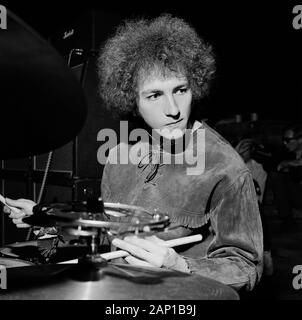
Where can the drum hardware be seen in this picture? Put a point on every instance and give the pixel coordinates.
(95, 222)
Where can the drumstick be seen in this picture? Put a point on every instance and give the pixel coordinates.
(169, 244)
(2, 199)
(121, 253)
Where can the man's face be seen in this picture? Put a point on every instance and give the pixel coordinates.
(165, 104)
(289, 141)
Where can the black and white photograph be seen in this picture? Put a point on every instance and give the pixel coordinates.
(151, 153)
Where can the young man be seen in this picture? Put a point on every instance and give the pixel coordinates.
(158, 71)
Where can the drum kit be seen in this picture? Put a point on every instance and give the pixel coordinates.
(82, 267)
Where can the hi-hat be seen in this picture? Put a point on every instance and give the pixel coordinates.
(124, 218)
(43, 106)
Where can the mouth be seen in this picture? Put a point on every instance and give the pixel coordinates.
(172, 124)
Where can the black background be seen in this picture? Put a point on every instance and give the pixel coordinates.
(258, 52)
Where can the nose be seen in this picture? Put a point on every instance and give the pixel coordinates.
(171, 108)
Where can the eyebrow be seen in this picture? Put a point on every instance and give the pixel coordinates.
(160, 91)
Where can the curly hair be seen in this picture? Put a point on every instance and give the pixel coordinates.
(166, 44)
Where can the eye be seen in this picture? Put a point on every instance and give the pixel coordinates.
(154, 96)
(182, 90)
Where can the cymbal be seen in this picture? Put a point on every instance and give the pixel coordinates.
(30, 251)
(43, 105)
(113, 282)
(21, 271)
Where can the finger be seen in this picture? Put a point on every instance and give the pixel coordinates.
(138, 252)
(131, 248)
(148, 245)
(17, 215)
(157, 240)
(137, 262)
(20, 203)
(14, 210)
(17, 221)
(243, 150)
(23, 225)
(7, 208)
(13, 203)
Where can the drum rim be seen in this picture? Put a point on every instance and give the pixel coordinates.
(28, 263)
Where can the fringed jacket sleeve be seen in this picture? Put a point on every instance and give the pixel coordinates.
(234, 256)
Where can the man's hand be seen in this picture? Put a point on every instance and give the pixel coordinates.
(245, 148)
(150, 252)
(21, 208)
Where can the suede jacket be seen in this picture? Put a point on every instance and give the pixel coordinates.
(215, 197)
